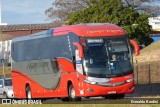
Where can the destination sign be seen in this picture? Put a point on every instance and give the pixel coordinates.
(95, 41)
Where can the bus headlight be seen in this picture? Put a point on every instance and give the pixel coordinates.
(129, 80)
(89, 82)
(92, 82)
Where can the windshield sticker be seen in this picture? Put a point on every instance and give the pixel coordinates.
(95, 41)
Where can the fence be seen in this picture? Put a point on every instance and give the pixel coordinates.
(147, 72)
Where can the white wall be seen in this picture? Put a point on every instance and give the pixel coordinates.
(155, 23)
(5, 51)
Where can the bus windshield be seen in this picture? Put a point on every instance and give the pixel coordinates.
(107, 57)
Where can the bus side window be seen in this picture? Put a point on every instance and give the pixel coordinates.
(54, 65)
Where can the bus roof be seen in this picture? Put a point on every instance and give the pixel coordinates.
(42, 34)
(90, 30)
(82, 30)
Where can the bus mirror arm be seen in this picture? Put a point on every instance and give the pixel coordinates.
(80, 49)
(136, 47)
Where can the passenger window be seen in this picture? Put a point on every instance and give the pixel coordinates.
(55, 67)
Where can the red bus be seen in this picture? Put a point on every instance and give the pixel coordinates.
(71, 62)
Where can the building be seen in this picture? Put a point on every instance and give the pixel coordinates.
(5, 52)
(155, 24)
(7, 32)
(24, 29)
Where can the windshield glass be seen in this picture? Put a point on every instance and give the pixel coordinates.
(8, 82)
(105, 57)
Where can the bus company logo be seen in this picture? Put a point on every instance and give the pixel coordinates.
(6, 101)
(101, 31)
(14, 101)
(35, 65)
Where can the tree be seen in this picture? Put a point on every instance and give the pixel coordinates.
(114, 11)
(135, 3)
(62, 8)
(145, 6)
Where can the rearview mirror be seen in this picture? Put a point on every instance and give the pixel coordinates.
(80, 49)
(136, 47)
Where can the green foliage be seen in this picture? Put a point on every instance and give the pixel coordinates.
(113, 11)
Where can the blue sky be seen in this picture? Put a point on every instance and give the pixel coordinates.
(28, 11)
(25, 11)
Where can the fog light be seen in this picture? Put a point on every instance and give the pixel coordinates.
(130, 88)
(90, 90)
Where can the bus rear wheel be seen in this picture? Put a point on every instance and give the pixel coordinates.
(72, 94)
(28, 93)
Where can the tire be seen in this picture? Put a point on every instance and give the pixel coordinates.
(5, 95)
(121, 96)
(72, 95)
(28, 93)
(65, 99)
(87, 97)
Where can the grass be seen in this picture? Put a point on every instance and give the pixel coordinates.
(151, 48)
(149, 53)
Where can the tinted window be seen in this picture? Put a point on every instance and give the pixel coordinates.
(44, 48)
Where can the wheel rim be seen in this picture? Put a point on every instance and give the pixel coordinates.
(72, 93)
(29, 96)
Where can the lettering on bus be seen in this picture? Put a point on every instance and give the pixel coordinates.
(101, 31)
(35, 65)
(95, 41)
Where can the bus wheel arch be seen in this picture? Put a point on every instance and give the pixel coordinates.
(28, 91)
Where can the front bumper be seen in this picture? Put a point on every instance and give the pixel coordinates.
(97, 90)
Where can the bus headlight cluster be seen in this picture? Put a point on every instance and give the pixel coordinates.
(89, 82)
(130, 80)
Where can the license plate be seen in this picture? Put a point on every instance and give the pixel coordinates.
(112, 92)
